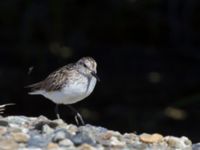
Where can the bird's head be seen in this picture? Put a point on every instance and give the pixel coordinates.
(88, 67)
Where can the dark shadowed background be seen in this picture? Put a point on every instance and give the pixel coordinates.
(148, 56)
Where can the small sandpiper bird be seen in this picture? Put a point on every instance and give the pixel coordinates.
(69, 84)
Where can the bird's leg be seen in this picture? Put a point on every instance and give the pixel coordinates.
(57, 111)
(77, 116)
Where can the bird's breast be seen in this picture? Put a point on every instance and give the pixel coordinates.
(81, 88)
(90, 85)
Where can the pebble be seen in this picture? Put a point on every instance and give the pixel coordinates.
(178, 143)
(92, 129)
(39, 125)
(86, 147)
(18, 120)
(148, 138)
(14, 128)
(66, 143)
(3, 130)
(72, 129)
(108, 139)
(46, 129)
(114, 141)
(20, 137)
(60, 135)
(3, 123)
(37, 141)
(40, 133)
(60, 123)
(106, 136)
(52, 146)
(83, 137)
(7, 144)
(130, 138)
(196, 146)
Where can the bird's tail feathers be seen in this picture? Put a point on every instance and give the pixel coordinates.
(34, 93)
(35, 88)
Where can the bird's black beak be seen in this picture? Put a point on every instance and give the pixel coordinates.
(95, 75)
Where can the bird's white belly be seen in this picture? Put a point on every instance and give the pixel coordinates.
(71, 93)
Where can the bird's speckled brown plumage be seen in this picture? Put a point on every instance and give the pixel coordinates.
(57, 79)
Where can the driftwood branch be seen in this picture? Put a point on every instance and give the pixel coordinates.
(2, 107)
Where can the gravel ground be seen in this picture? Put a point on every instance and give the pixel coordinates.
(40, 133)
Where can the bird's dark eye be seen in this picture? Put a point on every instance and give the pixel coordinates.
(85, 65)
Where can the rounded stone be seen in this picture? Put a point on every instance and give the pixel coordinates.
(72, 129)
(8, 144)
(37, 141)
(3, 130)
(60, 135)
(66, 143)
(86, 147)
(130, 138)
(4, 123)
(148, 138)
(82, 137)
(20, 137)
(178, 143)
(196, 146)
(106, 136)
(47, 129)
(18, 120)
(52, 146)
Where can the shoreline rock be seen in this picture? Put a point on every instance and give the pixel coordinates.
(40, 133)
